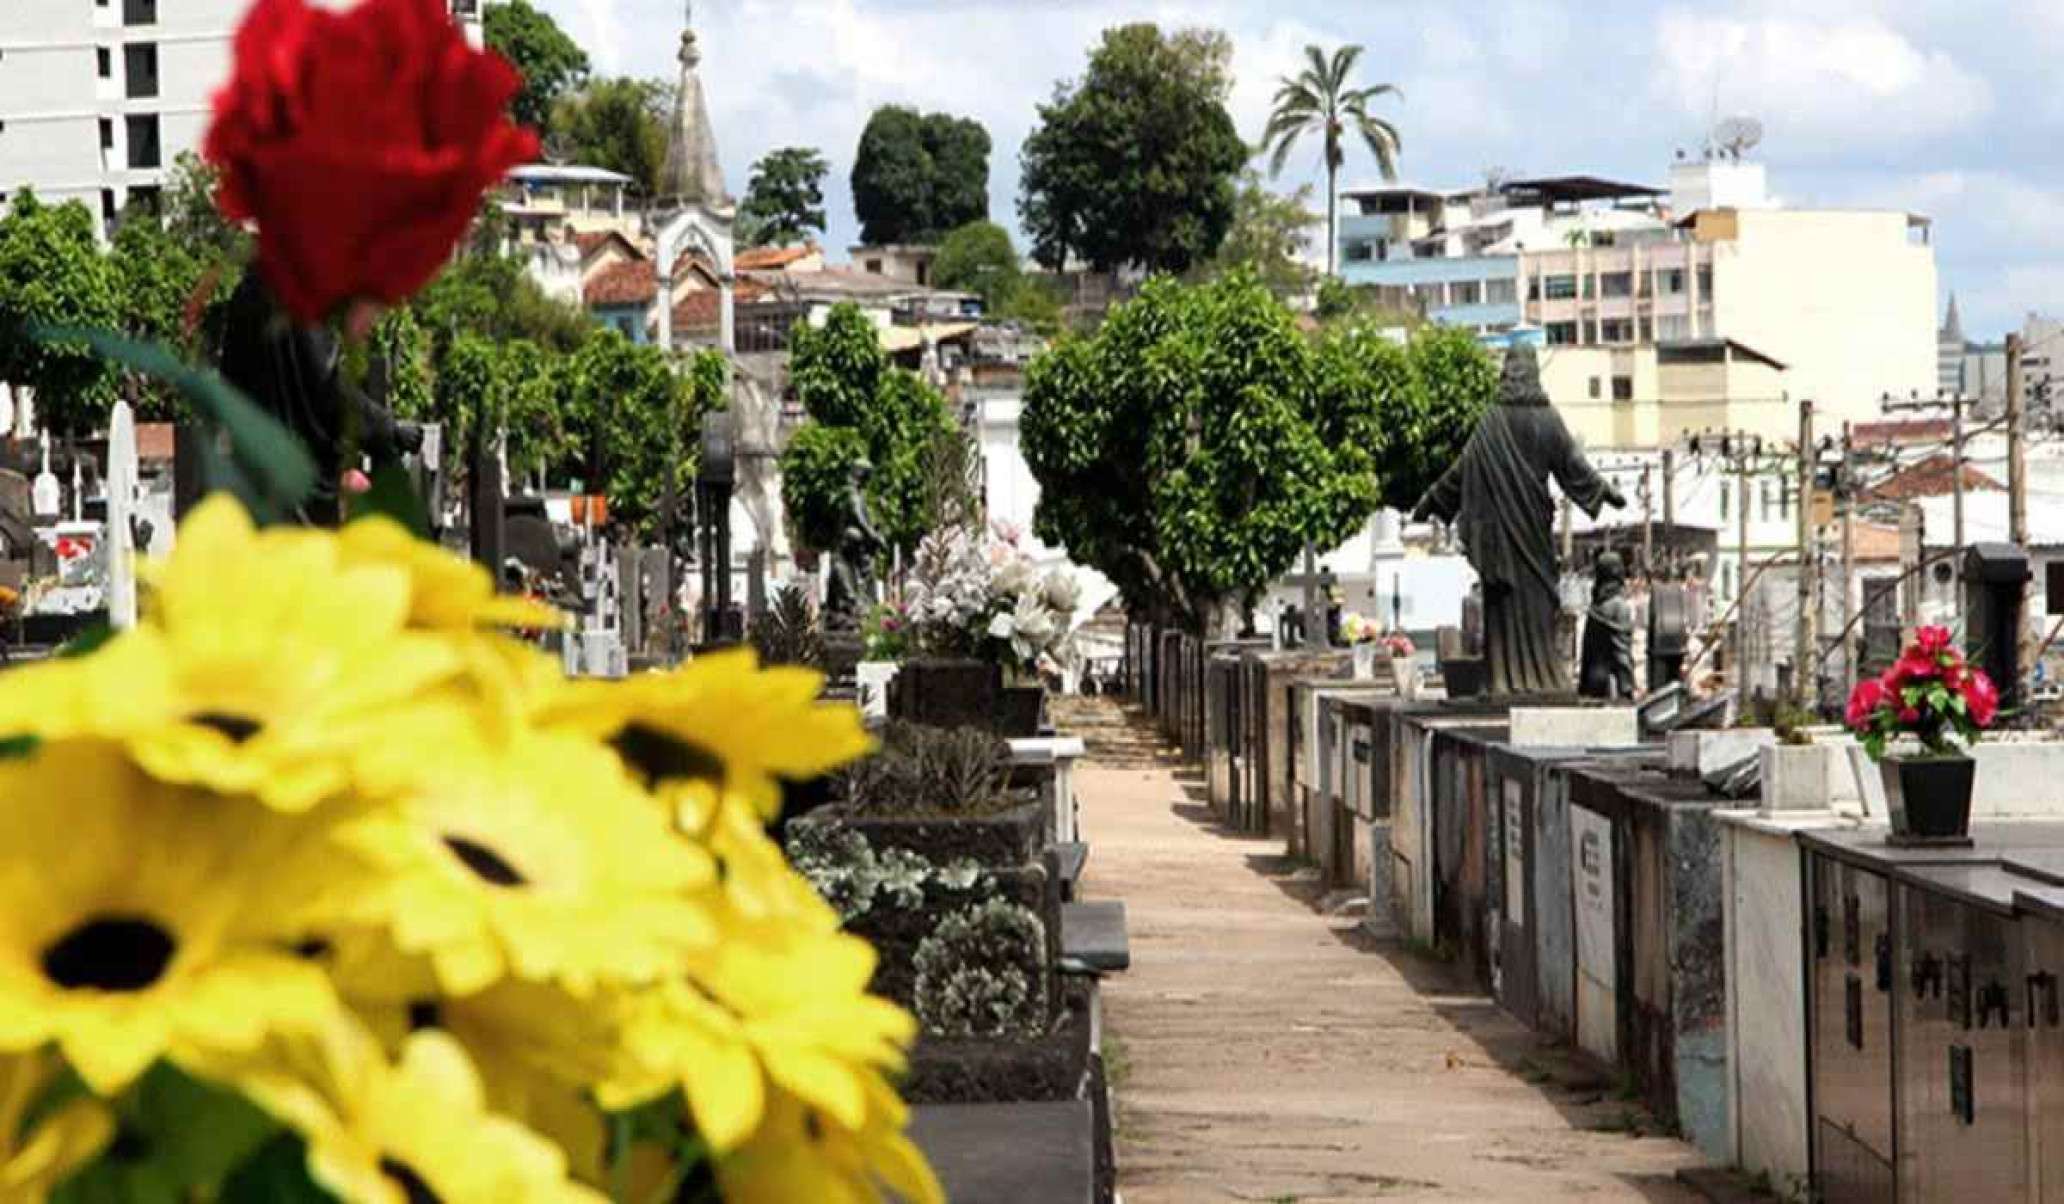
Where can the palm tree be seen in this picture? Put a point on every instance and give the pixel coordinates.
(1318, 100)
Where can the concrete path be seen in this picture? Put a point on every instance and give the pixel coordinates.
(1264, 1051)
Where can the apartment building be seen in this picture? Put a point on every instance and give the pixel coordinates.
(99, 97)
(1844, 299)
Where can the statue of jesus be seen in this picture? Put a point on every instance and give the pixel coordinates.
(1497, 496)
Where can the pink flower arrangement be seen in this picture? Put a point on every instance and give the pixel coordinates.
(1399, 644)
(1930, 693)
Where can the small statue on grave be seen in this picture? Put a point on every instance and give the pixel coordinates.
(852, 566)
(1497, 496)
(1608, 664)
(295, 373)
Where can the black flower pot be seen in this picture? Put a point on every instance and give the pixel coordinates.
(1020, 711)
(1929, 797)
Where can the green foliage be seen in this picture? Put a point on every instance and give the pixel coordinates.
(917, 175)
(784, 202)
(980, 973)
(1035, 303)
(1318, 101)
(925, 771)
(533, 386)
(1425, 429)
(978, 258)
(550, 61)
(847, 384)
(620, 124)
(634, 418)
(196, 222)
(184, 1137)
(402, 349)
(1136, 163)
(787, 634)
(165, 288)
(1269, 236)
(493, 296)
(468, 389)
(1192, 447)
(815, 467)
(52, 275)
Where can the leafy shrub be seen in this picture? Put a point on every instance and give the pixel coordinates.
(932, 771)
(979, 973)
(787, 634)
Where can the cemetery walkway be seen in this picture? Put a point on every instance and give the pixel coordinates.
(1262, 1049)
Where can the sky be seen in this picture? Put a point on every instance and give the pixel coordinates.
(1942, 107)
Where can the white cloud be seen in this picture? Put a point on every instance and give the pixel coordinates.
(1823, 86)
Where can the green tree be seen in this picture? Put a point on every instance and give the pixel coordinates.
(1318, 100)
(1036, 303)
(195, 221)
(619, 124)
(1192, 446)
(1268, 238)
(164, 289)
(550, 61)
(917, 175)
(785, 200)
(492, 295)
(632, 416)
(533, 394)
(978, 258)
(52, 273)
(402, 350)
(1136, 163)
(468, 392)
(861, 404)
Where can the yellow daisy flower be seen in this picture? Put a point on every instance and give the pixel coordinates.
(401, 1132)
(719, 724)
(801, 1153)
(36, 1157)
(263, 663)
(771, 1012)
(536, 858)
(137, 918)
(447, 592)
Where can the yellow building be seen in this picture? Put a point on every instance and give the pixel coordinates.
(1659, 394)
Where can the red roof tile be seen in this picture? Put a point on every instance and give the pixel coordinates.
(762, 259)
(1921, 430)
(701, 308)
(632, 282)
(1927, 478)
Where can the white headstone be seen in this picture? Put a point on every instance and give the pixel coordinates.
(44, 494)
(121, 506)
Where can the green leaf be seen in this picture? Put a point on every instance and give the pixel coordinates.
(274, 473)
(177, 1138)
(88, 641)
(276, 1174)
(394, 495)
(14, 748)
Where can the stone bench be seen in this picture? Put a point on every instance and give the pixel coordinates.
(1093, 939)
(1039, 1153)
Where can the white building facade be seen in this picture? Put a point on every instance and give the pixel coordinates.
(99, 97)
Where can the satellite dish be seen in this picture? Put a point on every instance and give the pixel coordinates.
(1736, 135)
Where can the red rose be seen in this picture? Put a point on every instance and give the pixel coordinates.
(361, 143)
(1916, 665)
(1933, 640)
(1864, 701)
(1909, 715)
(1981, 698)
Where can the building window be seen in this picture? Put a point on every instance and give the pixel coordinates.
(1465, 292)
(1559, 288)
(1616, 330)
(1590, 286)
(1501, 292)
(140, 70)
(1623, 388)
(1616, 284)
(1763, 490)
(1725, 494)
(1784, 500)
(1596, 390)
(139, 12)
(1647, 329)
(107, 207)
(1562, 334)
(104, 60)
(145, 200)
(874, 266)
(143, 142)
(1705, 282)
(1671, 327)
(1360, 251)
(1428, 296)
(1670, 282)
(107, 133)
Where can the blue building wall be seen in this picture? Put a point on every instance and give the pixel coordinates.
(630, 319)
(1402, 273)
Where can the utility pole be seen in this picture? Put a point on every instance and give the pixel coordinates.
(1843, 495)
(1647, 526)
(1956, 476)
(1741, 570)
(1809, 563)
(2017, 449)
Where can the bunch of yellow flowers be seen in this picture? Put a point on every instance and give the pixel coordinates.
(319, 833)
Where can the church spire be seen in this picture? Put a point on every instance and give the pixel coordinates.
(691, 174)
(1952, 322)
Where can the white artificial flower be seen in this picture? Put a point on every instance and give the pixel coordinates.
(1029, 627)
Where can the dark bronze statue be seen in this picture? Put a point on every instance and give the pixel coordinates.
(852, 566)
(1607, 667)
(294, 373)
(1497, 496)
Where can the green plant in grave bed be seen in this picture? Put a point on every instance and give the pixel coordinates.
(978, 973)
(787, 634)
(847, 872)
(924, 771)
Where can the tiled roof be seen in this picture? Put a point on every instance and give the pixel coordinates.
(631, 282)
(763, 259)
(1923, 430)
(701, 308)
(1927, 478)
(1875, 542)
